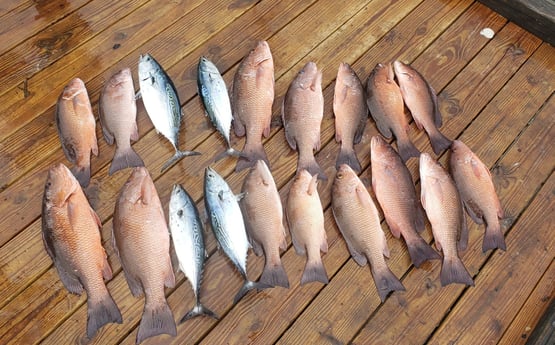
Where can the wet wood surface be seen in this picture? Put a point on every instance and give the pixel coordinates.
(497, 95)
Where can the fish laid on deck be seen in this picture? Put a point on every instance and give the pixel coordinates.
(386, 106)
(302, 112)
(188, 241)
(118, 112)
(71, 235)
(421, 99)
(358, 220)
(394, 189)
(351, 114)
(228, 227)
(214, 96)
(473, 180)
(444, 208)
(162, 104)
(252, 99)
(305, 218)
(76, 129)
(142, 242)
(263, 216)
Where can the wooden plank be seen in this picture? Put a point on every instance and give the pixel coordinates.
(47, 46)
(528, 319)
(425, 302)
(29, 19)
(544, 334)
(536, 16)
(482, 315)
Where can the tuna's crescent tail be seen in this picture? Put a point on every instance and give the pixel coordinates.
(230, 152)
(157, 319)
(247, 286)
(199, 310)
(100, 313)
(177, 156)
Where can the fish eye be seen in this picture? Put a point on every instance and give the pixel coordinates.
(48, 184)
(180, 213)
(339, 175)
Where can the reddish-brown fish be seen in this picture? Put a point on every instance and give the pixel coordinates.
(305, 218)
(117, 110)
(263, 215)
(358, 220)
(302, 112)
(385, 103)
(443, 206)
(394, 189)
(252, 98)
(76, 129)
(421, 99)
(71, 235)
(351, 113)
(476, 188)
(141, 238)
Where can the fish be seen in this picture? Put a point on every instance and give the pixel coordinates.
(385, 102)
(214, 96)
(227, 224)
(141, 240)
(305, 218)
(118, 112)
(441, 200)
(263, 217)
(302, 112)
(77, 129)
(71, 236)
(162, 104)
(473, 180)
(252, 99)
(187, 234)
(358, 220)
(396, 194)
(421, 99)
(351, 114)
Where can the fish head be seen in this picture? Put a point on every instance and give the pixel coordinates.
(263, 171)
(60, 185)
(430, 168)
(213, 182)
(139, 187)
(346, 76)
(207, 66)
(121, 78)
(261, 54)
(74, 88)
(148, 67)
(179, 200)
(380, 149)
(346, 180)
(304, 183)
(382, 74)
(403, 72)
(309, 77)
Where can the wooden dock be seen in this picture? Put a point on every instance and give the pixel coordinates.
(497, 95)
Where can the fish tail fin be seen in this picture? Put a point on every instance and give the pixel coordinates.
(198, 310)
(82, 174)
(493, 238)
(274, 275)
(453, 271)
(349, 157)
(386, 282)
(247, 286)
(439, 142)
(420, 251)
(177, 156)
(407, 149)
(157, 319)
(252, 153)
(125, 158)
(309, 163)
(100, 313)
(230, 152)
(314, 271)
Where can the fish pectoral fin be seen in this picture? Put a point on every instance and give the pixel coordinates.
(299, 248)
(324, 243)
(69, 279)
(96, 218)
(106, 270)
(138, 94)
(240, 196)
(384, 129)
(359, 258)
(474, 211)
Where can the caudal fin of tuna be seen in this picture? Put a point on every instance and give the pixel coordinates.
(177, 156)
(252, 154)
(493, 238)
(274, 275)
(439, 142)
(199, 310)
(230, 152)
(156, 319)
(407, 149)
(314, 271)
(420, 251)
(82, 174)
(125, 158)
(247, 286)
(349, 157)
(100, 313)
(386, 282)
(309, 163)
(453, 271)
